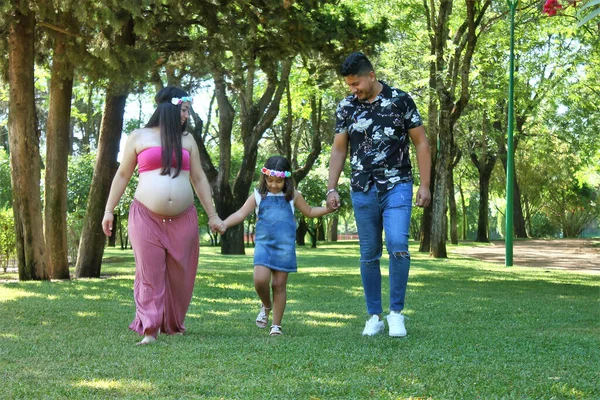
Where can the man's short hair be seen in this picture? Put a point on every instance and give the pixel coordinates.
(356, 64)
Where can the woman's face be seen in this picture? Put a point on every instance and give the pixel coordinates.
(185, 111)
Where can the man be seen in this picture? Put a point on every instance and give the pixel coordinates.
(378, 121)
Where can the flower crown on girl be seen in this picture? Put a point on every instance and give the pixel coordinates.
(278, 174)
(177, 101)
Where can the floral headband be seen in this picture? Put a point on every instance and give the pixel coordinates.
(177, 101)
(278, 174)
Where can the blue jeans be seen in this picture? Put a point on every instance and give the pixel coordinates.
(389, 213)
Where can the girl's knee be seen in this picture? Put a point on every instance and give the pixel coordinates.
(278, 285)
(279, 281)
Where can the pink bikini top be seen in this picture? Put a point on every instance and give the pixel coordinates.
(151, 158)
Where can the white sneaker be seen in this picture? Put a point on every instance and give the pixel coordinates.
(373, 326)
(396, 324)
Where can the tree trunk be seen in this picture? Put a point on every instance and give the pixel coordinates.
(333, 228)
(432, 135)
(485, 165)
(91, 246)
(518, 218)
(320, 228)
(301, 232)
(232, 242)
(452, 208)
(24, 149)
(456, 156)
(438, 212)
(57, 156)
(426, 219)
(463, 206)
(483, 221)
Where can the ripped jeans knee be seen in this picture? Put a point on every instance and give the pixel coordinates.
(400, 254)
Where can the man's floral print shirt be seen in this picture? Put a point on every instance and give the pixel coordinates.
(379, 140)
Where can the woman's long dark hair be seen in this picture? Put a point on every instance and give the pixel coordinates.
(277, 163)
(167, 116)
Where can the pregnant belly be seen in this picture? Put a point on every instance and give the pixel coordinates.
(163, 194)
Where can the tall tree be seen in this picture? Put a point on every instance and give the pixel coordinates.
(24, 146)
(91, 247)
(451, 70)
(58, 143)
(483, 155)
(250, 62)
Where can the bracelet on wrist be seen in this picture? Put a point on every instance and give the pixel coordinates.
(109, 212)
(212, 215)
(330, 191)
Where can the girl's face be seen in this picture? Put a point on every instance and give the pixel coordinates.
(185, 111)
(275, 184)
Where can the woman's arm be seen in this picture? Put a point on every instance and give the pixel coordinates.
(202, 187)
(308, 211)
(120, 181)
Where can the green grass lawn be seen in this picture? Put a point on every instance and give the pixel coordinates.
(475, 330)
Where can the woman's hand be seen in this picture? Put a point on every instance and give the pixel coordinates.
(215, 223)
(107, 223)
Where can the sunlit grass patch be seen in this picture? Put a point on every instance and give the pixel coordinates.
(476, 330)
(7, 293)
(110, 384)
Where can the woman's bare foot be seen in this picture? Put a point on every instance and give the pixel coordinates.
(147, 340)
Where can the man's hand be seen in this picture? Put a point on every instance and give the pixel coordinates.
(423, 197)
(333, 201)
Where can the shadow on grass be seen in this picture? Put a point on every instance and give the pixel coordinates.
(468, 322)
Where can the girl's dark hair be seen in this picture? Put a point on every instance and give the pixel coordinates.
(167, 116)
(277, 163)
(356, 64)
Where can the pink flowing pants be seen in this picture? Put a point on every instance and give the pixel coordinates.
(166, 260)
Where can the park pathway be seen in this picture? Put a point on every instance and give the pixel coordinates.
(581, 255)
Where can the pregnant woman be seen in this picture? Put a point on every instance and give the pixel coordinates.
(163, 222)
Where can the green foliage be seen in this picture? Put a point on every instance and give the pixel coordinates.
(5, 180)
(79, 178)
(75, 221)
(542, 227)
(586, 15)
(573, 208)
(8, 246)
(541, 349)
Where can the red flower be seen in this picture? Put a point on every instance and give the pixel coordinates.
(551, 7)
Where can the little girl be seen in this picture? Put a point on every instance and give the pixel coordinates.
(275, 251)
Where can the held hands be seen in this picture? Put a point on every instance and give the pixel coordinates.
(333, 201)
(215, 224)
(222, 228)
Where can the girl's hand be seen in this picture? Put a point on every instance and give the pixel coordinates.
(222, 228)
